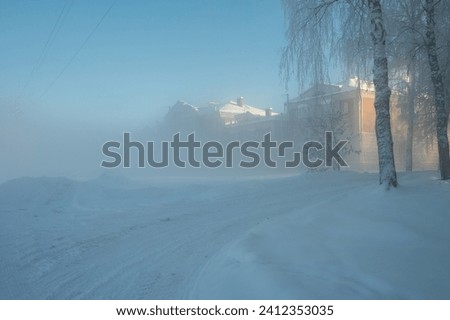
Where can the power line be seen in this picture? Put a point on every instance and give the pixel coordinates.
(54, 32)
(79, 49)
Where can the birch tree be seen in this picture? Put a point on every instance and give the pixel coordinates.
(388, 176)
(313, 27)
(415, 35)
(403, 22)
(439, 90)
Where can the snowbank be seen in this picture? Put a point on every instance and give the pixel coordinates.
(365, 243)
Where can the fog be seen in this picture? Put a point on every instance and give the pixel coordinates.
(46, 145)
(76, 75)
(36, 144)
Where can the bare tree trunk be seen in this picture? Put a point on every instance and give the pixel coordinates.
(439, 100)
(388, 175)
(410, 112)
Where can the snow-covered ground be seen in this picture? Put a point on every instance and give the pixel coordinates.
(314, 235)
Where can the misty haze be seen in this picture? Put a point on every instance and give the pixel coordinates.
(224, 149)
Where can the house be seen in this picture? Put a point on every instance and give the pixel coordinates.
(182, 117)
(246, 122)
(348, 110)
(232, 120)
(237, 112)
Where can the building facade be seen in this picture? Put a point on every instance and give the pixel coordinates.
(347, 109)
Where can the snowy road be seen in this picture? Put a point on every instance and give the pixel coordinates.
(114, 239)
(306, 236)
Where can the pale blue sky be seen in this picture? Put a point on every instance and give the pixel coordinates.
(143, 57)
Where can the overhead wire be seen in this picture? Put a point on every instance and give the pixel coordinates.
(53, 33)
(74, 56)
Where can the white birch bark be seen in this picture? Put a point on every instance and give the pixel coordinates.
(410, 111)
(387, 173)
(439, 94)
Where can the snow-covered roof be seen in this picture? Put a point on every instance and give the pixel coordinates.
(234, 108)
(181, 109)
(326, 89)
(230, 112)
(181, 105)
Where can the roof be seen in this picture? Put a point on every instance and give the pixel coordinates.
(234, 108)
(180, 105)
(325, 89)
(181, 109)
(230, 112)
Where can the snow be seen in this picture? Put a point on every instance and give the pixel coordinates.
(233, 108)
(310, 236)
